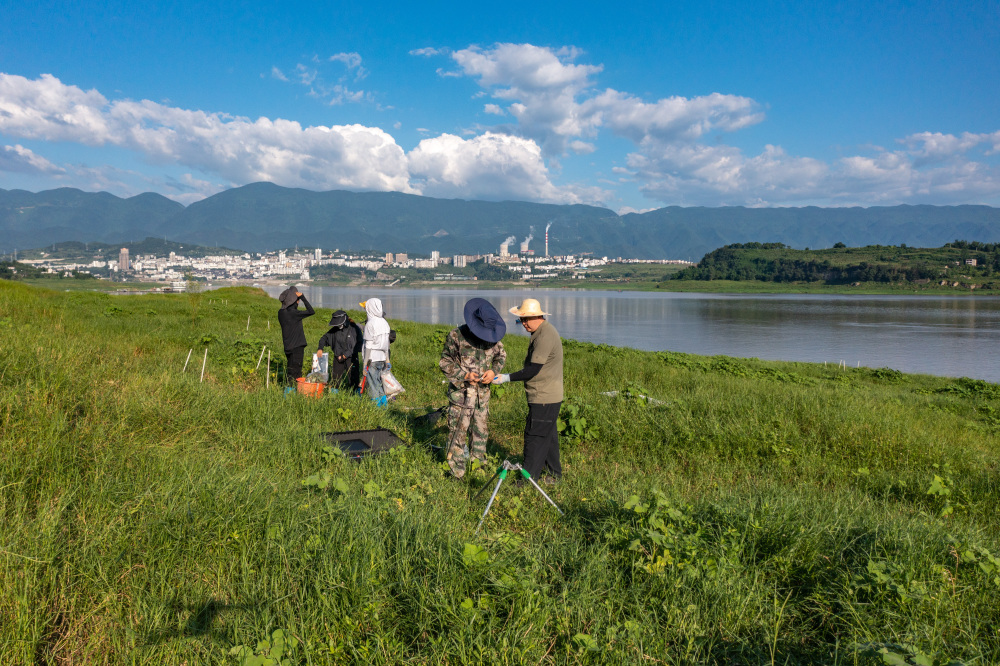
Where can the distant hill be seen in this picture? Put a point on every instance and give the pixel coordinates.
(33, 220)
(263, 216)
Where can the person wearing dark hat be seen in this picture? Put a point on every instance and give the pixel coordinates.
(292, 335)
(343, 339)
(473, 355)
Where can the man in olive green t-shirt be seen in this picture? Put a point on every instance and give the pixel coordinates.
(543, 382)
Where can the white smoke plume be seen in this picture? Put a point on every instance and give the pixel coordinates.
(510, 239)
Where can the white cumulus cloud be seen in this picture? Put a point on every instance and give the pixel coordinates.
(18, 159)
(554, 102)
(489, 166)
(235, 148)
(697, 174)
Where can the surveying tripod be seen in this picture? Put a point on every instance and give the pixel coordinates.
(506, 468)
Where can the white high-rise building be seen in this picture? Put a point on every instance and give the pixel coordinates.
(123, 264)
(318, 254)
(459, 261)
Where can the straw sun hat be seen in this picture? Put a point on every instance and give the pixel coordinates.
(529, 308)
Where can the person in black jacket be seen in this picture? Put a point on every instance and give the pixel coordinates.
(292, 335)
(343, 338)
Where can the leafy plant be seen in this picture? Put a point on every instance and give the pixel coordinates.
(572, 424)
(276, 650)
(942, 488)
(331, 453)
(319, 480)
(473, 555)
(586, 643)
(887, 375)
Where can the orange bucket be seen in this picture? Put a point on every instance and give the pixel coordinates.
(314, 390)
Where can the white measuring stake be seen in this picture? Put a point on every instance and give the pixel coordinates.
(203, 361)
(248, 322)
(261, 357)
(268, 384)
(186, 360)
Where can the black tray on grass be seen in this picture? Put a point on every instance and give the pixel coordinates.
(357, 444)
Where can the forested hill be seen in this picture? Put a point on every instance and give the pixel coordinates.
(263, 216)
(775, 262)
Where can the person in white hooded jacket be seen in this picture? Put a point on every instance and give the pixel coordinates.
(376, 349)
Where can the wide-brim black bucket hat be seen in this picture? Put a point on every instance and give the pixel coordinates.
(339, 318)
(484, 321)
(288, 297)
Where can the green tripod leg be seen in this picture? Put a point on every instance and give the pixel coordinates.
(502, 473)
(524, 472)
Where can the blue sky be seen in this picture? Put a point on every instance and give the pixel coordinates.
(627, 105)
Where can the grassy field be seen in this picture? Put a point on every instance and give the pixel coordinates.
(718, 510)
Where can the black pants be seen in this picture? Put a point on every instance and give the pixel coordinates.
(541, 440)
(294, 368)
(342, 372)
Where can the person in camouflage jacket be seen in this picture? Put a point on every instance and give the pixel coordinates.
(473, 355)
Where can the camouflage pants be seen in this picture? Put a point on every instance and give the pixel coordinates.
(465, 418)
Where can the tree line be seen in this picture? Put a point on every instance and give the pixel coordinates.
(744, 262)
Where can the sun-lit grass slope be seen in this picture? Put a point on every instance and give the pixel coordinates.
(718, 510)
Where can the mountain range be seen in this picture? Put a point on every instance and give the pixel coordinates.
(264, 216)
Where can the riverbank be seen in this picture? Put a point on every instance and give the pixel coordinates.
(671, 286)
(718, 510)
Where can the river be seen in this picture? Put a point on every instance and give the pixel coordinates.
(946, 335)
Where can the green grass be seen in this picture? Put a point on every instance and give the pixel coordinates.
(751, 512)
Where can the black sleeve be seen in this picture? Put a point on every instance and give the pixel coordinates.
(326, 340)
(527, 372)
(308, 312)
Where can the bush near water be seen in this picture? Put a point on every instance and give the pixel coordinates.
(718, 510)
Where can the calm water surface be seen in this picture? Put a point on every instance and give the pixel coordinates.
(950, 336)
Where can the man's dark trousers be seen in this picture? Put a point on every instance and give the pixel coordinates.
(541, 440)
(294, 369)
